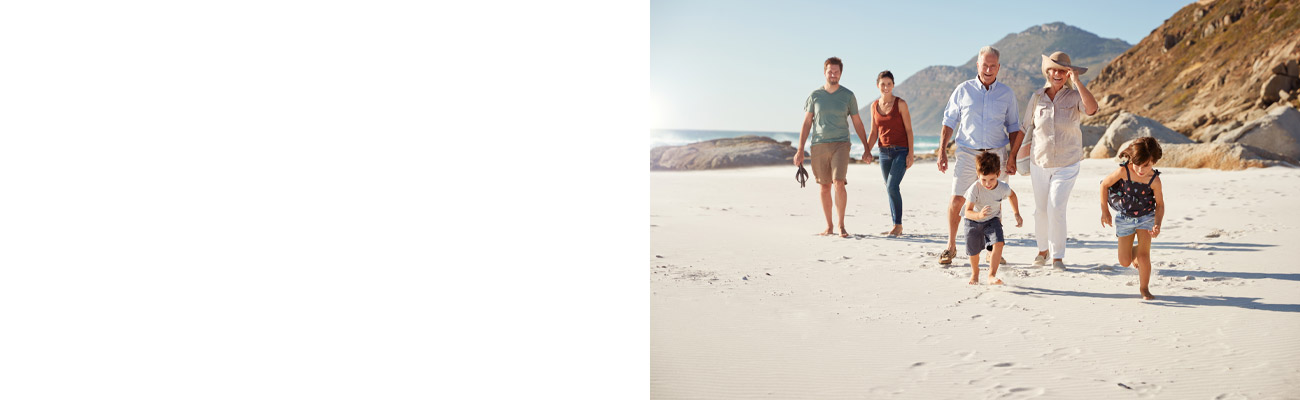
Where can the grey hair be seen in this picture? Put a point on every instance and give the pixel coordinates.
(989, 49)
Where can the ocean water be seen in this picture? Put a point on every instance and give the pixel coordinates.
(678, 137)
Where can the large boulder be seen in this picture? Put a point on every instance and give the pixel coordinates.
(1092, 134)
(1128, 126)
(743, 151)
(1269, 92)
(1208, 135)
(1278, 132)
(1226, 156)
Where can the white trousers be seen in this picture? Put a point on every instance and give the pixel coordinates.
(1052, 188)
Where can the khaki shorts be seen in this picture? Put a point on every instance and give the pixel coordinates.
(965, 171)
(830, 162)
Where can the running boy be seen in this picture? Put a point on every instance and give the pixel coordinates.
(984, 227)
(1140, 206)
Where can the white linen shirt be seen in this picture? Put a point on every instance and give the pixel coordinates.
(1055, 126)
(981, 118)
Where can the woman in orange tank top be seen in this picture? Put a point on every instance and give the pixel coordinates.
(892, 124)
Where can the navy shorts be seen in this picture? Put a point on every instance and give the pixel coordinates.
(981, 236)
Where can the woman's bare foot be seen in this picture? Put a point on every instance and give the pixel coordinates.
(993, 280)
(843, 233)
(829, 230)
(897, 230)
(1146, 295)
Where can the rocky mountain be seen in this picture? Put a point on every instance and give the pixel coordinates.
(927, 91)
(1207, 67)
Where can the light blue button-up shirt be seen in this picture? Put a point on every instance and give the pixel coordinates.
(981, 119)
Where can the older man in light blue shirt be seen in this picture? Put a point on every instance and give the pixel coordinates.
(983, 113)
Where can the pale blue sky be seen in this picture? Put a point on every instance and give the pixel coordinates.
(749, 65)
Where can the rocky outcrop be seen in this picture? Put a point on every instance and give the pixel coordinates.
(1282, 83)
(1226, 156)
(1278, 132)
(1211, 63)
(743, 151)
(1128, 126)
(1208, 135)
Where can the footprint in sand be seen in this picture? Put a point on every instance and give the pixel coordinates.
(935, 339)
(1142, 388)
(1023, 391)
(1063, 353)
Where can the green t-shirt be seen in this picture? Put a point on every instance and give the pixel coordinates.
(830, 114)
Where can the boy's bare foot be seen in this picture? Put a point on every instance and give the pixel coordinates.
(993, 280)
(1146, 295)
(974, 281)
(829, 230)
(843, 233)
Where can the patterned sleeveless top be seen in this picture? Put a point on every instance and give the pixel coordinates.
(1131, 198)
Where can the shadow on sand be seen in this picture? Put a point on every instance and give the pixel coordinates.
(1250, 303)
(1209, 276)
(940, 240)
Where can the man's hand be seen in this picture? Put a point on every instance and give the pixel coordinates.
(1011, 165)
(798, 158)
(943, 162)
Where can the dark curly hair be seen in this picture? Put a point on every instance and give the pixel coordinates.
(1142, 150)
(988, 163)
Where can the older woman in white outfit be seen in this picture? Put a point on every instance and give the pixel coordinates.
(1052, 119)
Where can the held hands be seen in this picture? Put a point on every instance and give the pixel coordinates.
(1019, 221)
(867, 158)
(1106, 219)
(1011, 165)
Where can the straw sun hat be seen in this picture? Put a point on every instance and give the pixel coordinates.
(1060, 60)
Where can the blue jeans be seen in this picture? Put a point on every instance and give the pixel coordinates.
(893, 164)
(1125, 225)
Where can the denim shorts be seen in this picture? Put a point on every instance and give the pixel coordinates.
(1125, 226)
(982, 234)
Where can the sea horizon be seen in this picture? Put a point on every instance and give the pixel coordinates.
(679, 137)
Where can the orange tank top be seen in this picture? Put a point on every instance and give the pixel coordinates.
(889, 127)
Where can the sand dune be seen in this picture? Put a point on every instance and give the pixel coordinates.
(747, 302)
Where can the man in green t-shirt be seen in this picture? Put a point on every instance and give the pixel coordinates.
(825, 114)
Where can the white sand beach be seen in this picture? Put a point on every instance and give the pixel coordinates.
(748, 302)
